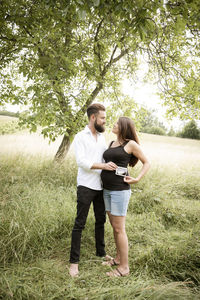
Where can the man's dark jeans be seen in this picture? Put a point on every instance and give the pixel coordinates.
(85, 197)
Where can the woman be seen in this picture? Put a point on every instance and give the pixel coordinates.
(123, 152)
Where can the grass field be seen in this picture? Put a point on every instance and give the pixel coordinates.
(37, 210)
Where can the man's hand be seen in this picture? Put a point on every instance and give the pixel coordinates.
(110, 166)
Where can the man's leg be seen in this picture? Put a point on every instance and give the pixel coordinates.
(100, 219)
(83, 205)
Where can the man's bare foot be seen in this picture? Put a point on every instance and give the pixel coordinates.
(111, 262)
(108, 257)
(117, 273)
(73, 270)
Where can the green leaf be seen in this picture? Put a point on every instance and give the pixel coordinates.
(96, 2)
(82, 14)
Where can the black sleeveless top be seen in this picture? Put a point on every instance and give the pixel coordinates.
(121, 158)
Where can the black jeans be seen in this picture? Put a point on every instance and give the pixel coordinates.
(84, 198)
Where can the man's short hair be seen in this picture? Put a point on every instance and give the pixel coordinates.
(94, 109)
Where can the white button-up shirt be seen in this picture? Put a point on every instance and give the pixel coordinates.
(88, 151)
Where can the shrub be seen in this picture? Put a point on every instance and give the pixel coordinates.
(154, 130)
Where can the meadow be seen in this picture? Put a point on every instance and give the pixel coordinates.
(37, 210)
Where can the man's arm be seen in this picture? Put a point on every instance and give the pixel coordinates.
(81, 159)
(110, 166)
(86, 163)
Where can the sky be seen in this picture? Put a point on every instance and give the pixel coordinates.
(145, 94)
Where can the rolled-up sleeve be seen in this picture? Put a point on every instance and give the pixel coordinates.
(80, 154)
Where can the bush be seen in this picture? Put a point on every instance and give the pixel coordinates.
(154, 130)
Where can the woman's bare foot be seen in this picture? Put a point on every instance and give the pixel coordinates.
(73, 270)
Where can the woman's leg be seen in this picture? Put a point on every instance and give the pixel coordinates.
(117, 257)
(118, 224)
(107, 202)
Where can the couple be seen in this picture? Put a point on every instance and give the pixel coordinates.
(92, 156)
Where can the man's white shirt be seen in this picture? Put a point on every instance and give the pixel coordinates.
(88, 151)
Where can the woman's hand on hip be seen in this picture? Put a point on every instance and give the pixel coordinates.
(129, 179)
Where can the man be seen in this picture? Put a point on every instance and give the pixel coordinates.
(89, 146)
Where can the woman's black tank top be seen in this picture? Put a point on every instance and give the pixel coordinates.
(121, 158)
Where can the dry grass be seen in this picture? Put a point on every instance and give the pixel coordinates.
(28, 143)
(171, 151)
(4, 119)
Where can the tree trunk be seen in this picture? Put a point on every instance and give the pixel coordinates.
(65, 144)
(63, 148)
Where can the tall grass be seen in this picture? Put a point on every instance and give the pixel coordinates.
(37, 210)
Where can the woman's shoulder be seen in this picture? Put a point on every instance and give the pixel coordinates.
(132, 144)
(110, 144)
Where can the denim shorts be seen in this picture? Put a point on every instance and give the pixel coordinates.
(116, 202)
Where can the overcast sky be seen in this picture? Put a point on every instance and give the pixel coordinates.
(145, 94)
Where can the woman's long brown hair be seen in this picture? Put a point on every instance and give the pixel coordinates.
(128, 132)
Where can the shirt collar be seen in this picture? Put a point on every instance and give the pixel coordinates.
(87, 130)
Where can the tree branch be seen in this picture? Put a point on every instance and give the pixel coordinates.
(97, 50)
(5, 38)
(112, 61)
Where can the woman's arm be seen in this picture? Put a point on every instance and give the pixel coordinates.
(136, 150)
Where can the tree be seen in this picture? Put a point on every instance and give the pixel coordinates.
(69, 52)
(171, 132)
(190, 131)
(151, 124)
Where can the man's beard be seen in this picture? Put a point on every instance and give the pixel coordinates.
(99, 128)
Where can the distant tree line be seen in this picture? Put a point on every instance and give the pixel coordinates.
(151, 124)
(9, 113)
